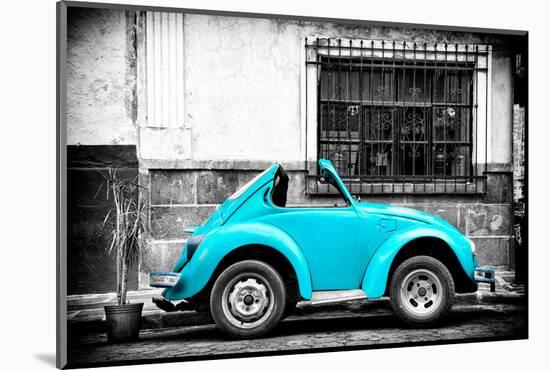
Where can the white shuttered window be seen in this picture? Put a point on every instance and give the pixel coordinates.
(165, 73)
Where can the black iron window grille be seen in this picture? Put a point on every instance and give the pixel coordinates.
(398, 117)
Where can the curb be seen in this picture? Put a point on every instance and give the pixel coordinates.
(153, 318)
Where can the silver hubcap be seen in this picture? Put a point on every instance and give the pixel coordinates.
(247, 301)
(421, 292)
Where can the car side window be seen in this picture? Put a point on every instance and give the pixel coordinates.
(280, 190)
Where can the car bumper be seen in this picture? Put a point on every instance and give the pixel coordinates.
(485, 275)
(163, 279)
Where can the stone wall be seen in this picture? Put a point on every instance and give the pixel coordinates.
(181, 198)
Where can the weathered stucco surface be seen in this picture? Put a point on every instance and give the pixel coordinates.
(501, 107)
(244, 92)
(100, 78)
(244, 97)
(242, 82)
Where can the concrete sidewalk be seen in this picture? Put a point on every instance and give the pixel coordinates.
(86, 314)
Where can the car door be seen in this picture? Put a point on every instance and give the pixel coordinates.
(328, 237)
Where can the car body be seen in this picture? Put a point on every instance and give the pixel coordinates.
(321, 254)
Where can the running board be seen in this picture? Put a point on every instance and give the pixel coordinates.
(333, 296)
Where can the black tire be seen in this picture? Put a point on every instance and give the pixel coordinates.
(245, 281)
(417, 282)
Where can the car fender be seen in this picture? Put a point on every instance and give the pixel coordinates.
(375, 278)
(198, 271)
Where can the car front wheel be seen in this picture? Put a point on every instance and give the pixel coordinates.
(248, 299)
(421, 291)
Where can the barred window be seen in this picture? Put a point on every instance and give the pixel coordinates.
(400, 117)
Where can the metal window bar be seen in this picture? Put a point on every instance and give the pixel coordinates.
(400, 119)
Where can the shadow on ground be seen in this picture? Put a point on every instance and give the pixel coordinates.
(46, 358)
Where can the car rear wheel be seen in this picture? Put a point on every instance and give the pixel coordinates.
(248, 299)
(421, 291)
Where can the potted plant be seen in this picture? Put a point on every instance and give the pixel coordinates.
(129, 222)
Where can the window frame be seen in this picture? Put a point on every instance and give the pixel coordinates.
(480, 55)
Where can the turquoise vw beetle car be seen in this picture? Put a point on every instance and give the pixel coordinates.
(255, 258)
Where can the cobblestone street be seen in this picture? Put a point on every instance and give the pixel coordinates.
(359, 325)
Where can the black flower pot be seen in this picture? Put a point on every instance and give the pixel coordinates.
(123, 322)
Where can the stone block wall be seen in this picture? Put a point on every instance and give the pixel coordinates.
(181, 198)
